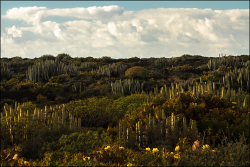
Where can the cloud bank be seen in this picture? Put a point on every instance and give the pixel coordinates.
(112, 31)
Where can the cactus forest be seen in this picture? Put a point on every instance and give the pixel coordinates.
(183, 111)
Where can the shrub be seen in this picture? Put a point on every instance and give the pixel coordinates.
(78, 142)
(60, 78)
(125, 105)
(10, 83)
(137, 72)
(228, 154)
(95, 112)
(134, 59)
(26, 86)
(47, 57)
(62, 57)
(54, 88)
(185, 68)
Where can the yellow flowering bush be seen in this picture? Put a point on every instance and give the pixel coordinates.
(177, 156)
(205, 146)
(155, 150)
(177, 148)
(106, 148)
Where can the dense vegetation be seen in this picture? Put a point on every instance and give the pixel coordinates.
(64, 111)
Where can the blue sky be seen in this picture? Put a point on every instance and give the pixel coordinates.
(127, 5)
(135, 27)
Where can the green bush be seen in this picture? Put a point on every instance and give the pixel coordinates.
(60, 78)
(137, 72)
(94, 112)
(54, 88)
(229, 153)
(78, 142)
(214, 115)
(125, 105)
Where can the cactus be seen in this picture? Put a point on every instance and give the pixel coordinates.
(120, 131)
(127, 86)
(163, 127)
(6, 73)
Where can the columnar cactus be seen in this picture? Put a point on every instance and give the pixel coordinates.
(120, 131)
(163, 126)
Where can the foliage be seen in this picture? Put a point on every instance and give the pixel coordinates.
(137, 72)
(105, 59)
(26, 86)
(213, 78)
(125, 105)
(54, 88)
(47, 57)
(11, 83)
(134, 59)
(78, 142)
(185, 68)
(62, 57)
(228, 154)
(60, 78)
(127, 86)
(213, 114)
(6, 73)
(218, 112)
(29, 106)
(94, 112)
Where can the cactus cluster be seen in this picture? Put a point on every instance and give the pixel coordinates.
(88, 65)
(127, 86)
(224, 91)
(214, 64)
(52, 117)
(239, 76)
(43, 71)
(77, 87)
(6, 73)
(164, 62)
(111, 70)
(166, 128)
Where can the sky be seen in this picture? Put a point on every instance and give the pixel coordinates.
(124, 29)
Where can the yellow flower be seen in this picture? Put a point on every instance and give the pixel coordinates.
(147, 149)
(213, 151)
(129, 164)
(106, 148)
(155, 150)
(177, 148)
(234, 102)
(171, 153)
(177, 156)
(121, 148)
(205, 146)
(25, 162)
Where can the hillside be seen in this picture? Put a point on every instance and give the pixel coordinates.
(102, 111)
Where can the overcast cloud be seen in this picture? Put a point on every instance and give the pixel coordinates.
(111, 31)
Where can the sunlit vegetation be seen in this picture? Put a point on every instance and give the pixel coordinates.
(183, 111)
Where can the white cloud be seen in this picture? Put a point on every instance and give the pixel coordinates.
(111, 31)
(14, 31)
